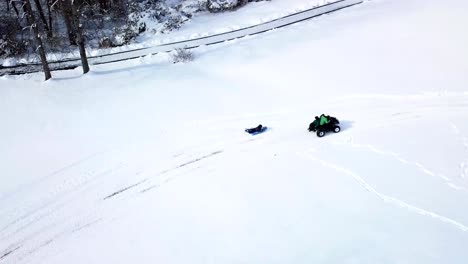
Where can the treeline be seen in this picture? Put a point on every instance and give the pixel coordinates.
(31, 29)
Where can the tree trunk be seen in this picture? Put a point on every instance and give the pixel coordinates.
(8, 5)
(43, 18)
(49, 13)
(79, 37)
(13, 4)
(67, 15)
(37, 37)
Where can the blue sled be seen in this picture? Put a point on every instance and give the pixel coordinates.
(257, 130)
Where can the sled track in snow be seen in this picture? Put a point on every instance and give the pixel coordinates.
(386, 198)
(186, 44)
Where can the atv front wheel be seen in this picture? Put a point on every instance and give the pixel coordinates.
(337, 129)
(320, 133)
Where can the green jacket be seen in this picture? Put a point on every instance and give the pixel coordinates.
(324, 120)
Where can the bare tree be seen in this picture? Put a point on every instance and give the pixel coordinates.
(71, 11)
(67, 18)
(13, 4)
(79, 38)
(43, 18)
(49, 4)
(40, 48)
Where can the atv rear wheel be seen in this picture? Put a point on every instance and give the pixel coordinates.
(337, 129)
(320, 133)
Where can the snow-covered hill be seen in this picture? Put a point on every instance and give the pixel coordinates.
(145, 161)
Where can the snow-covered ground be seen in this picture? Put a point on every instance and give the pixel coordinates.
(144, 161)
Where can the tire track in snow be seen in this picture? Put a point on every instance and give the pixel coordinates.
(166, 180)
(28, 253)
(64, 187)
(41, 200)
(187, 163)
(383, 197)
(464, 164)
(31, 244)
(398, 157)
(48, 234)
(39, 228)
(50, 205)
(45, 232)
(8, 252)
(123, 190)
(179, 166)
(57, 172)
(86, 225)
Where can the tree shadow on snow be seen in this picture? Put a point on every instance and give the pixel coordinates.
(117, 69)
(125, 69)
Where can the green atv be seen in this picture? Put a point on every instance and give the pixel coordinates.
(324, 124)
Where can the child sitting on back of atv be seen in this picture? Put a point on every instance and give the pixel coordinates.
(324, 124)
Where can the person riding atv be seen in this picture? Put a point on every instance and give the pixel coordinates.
(324, 124)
